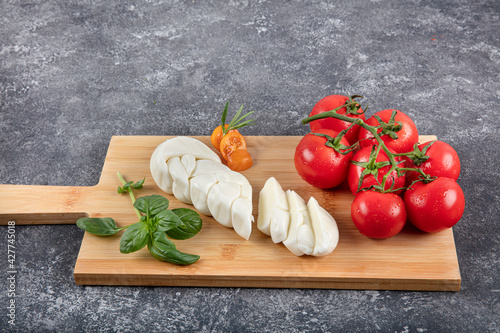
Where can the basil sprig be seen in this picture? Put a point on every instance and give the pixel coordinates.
(98, 226)
(128, 185)
(156, 222)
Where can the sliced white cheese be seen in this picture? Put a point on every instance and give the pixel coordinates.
(160, 173)
(272, 201)
(246, 193)
(305, 239)
(241, 216)
(296, 205)
(204, 167)
(199, 187)
(326, 233)
(177, 147)
(189, 163)
(220, 199)
(180, 179)
(280, 221)
(303, 228)
(184, 145)
(192, 172)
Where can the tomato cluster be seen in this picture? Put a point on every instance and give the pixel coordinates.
(392, 176)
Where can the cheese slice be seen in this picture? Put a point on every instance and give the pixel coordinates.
(272, 205)
(326, 233)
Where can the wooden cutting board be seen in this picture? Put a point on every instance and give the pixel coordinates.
(412, 260)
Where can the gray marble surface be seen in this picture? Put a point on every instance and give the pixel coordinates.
(74, 73)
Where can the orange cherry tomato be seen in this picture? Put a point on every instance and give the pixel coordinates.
(231, 142)
(217, 135)
(239, 160)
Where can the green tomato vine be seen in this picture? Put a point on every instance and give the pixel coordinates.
(371, 167)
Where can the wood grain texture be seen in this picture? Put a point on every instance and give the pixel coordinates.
(412, 260)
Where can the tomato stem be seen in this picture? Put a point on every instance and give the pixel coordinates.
(332, 113)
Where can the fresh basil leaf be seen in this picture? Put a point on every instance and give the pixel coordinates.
(171, 255)
(192, 224)
(159, 237)
(125, 187)
(134, 238)
(167, 220)
(138, 185)
(164, 249)
(151, 204)
(98, 226)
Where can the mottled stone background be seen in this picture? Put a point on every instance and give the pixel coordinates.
(74, 73)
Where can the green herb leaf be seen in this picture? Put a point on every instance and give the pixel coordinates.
(172, 256)
(224, 115)
(163, 249)
(161, 238)
(125, 187)
(237, 121)
(138, 185)
(192, 224)
(151, 204)
(98, 226)
(167, 220)
(134, 238)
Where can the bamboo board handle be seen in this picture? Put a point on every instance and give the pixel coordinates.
(42, 204)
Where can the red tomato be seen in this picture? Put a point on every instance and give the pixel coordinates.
(318, 164)
(378, 215)
(442, 161)
(355, 171)
(435, 206)
(407, 135)
(329, 103)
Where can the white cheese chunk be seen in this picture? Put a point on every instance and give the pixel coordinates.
(204, 167)
(180, 179)
(272, 201)
(192, 172)
(241, 216)
(160, 173)
(220, 199)
(302, 228)
(200, 186)
(298, 210)
(177, 147)
(305, 239)
(326, 233)
(189, 163)
(280, 221)
(184, 145)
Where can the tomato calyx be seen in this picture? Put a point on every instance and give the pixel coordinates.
(391, 127)
(426, 179)
(419, 156)
(334, 142)
(353, 108)
(372, 167)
